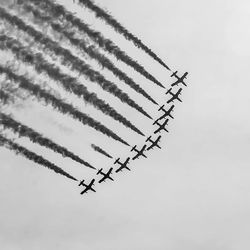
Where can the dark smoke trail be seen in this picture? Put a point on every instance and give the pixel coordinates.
(58, 11)
(58, 104)
(100, 150)
(69, 83)
(100, 13)
(38, 138)
(72, 61)
(4, 97)
(90, 50)
(18, 149)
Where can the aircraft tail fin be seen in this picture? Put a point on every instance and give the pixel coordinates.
(174, 73)
(81, 183)
(169, 91)
(155, 122)
(117, 160)
(161, 108)
(99, 171)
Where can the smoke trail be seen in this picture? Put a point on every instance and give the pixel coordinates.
(100, 150)
(18, 149)
(38, 138)
(69, 83)
(4, 97)
(58, 104)
(58, 11)
(72, 61)
(90, 50)
(100, 13)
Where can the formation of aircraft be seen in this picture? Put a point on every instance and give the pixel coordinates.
(105, 175)
(179, 79)
(139, 152)
(87, 186)
(122, 165)
(161, 122)
(175, 96)
(153, 143)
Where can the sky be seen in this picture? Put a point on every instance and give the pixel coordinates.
(192, 194)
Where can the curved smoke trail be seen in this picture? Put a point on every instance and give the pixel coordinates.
(18, 149)
(102, 14)
(58, 11)
(58, 104)
(23, 130)
(69, 83)
(72, 61)
(90, 50)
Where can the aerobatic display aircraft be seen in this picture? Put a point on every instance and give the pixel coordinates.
(122, 165)
(161, 126)
(166, 112)
(139, 152)
(174, 96)
(153, 143)
(87, 186)
(105, 175)
(179, 79)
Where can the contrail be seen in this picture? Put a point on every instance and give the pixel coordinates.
(58, 11)
(102, 14)
(4, 97)
(100, 150)
(18, 149)
(69, 83)
(72, 61)
(90, 50)
(58, 104)
(38, 138)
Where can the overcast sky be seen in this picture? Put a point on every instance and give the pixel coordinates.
(192, 194)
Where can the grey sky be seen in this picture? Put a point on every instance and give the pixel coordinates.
(193, 194)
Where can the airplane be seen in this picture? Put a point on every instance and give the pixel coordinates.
(179, 79)
(105, 176)
(161, 126)
(139, 152)
(87, 186)
(153, 143)
(174, 96)
(123, 165)
(167, 112)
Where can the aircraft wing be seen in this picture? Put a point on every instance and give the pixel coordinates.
(85, 190)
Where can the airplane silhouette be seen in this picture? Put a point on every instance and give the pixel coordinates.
(87, 186)
(153, 143)
(123, 165)
(139, 152)
(174, 96)
(105, 175)
(166, 112)
(161, 126)
(179, 79)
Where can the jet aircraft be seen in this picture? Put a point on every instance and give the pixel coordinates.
(87, 186)
(161, 126)
(179, 79)
(122, 165)
(175, 96)
(153, 143)
(166, 112)
(105, 175)
(139, 152)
